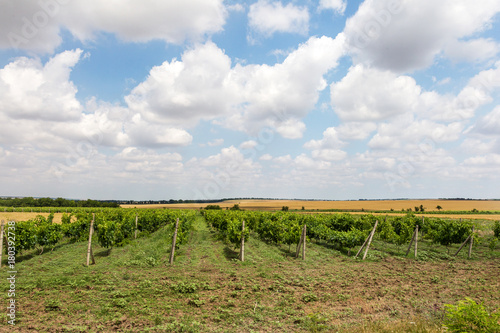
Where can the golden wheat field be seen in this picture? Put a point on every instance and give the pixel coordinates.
(397, 205)
(6, 216)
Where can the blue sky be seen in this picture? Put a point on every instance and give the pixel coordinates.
(208, 99)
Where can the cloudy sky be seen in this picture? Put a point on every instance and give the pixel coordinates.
(207, 99)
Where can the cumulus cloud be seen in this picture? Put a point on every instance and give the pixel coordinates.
(36, 25)
(489, 124)
(267, 18)
(31, 90)
(182, 92)
(205, 85)
(472, 50)
(335, 5)
(403, 36)
(368, 94)
(328, 148)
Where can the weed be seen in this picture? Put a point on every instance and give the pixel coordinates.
(52, 305)
(468, 316)
(307, 298)
(185, 288)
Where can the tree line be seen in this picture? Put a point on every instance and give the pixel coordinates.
(59, 202)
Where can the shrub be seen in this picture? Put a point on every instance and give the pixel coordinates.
(214, 207)
(468, 316)
(496, 229)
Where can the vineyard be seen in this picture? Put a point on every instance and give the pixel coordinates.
(344, 231)
(113, 227)
(132, 287)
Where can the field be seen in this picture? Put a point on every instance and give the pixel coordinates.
(207, 289)
(9, 216)
(372, 205)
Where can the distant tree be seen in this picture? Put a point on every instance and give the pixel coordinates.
(417, 208)
(439, 207)
(422, 208)
(284, 208)
(303, 208)
(235, 207)
(214, 207)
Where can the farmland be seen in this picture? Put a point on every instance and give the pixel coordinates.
(368, 205)
(132, 287)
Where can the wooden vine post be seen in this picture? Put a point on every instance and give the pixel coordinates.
(242, 248)
(367, 242)
(299, 245)
(1, 243)
(302, 244)
(90, 254)
(136, 217)
(469, 240)
(171, 261)
(414, 238)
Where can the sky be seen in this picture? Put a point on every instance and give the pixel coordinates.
(210, 99)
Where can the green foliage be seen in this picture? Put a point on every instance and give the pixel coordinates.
(59, 202)
(215, 207)
(235, 207)
(25, 236)
(447, 232)
(185, 288)
(496, 229)
(113, 227)
(310, 297)
(48, 234)
(468, 316)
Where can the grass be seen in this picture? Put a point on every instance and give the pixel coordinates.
(133, 288)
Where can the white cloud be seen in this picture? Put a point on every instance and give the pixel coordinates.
(484, 160)
(30, 90)
(266, 157)
(472, 50)
(367, 94)
(291, 128)
(250, 144)
(36, 25)
(329, 154)
(335, 5)
(278, 96)
(489, 124)
(139, 161)
(183, 92)
(203, 85)
(267, 18)
(303, 162)
(472, 146)
(379, 33)
(327, 149)
(355, 130)
(286, 159)
(330, 140)
(216, 142)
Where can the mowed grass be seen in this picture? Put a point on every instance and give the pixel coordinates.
(133, 288)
